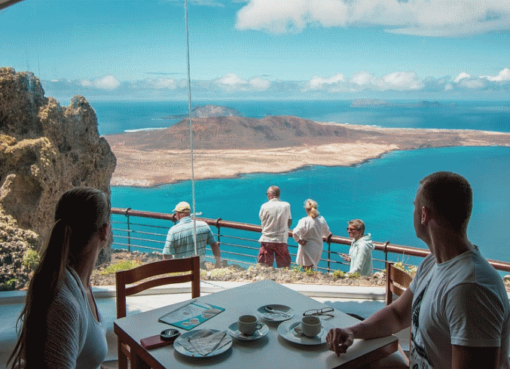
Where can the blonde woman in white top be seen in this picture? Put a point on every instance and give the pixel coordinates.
(308, 233)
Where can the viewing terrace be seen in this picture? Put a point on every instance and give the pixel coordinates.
(146, 232)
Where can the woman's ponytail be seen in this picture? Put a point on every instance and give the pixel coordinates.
(311, 207)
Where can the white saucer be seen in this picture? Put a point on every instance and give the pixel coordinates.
(234, 332)
(286, 331)
(286, 313)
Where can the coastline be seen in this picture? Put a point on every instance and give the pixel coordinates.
(222, 164)
(140, 167)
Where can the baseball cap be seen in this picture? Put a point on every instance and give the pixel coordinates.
(182, 207)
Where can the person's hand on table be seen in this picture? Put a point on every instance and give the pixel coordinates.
(339, 340)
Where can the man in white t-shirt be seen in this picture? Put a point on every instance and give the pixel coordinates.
(276, 220)
(457, 303)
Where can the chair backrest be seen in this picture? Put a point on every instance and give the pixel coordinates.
(397, 282)
(130, 277)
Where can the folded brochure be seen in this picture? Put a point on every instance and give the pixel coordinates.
(191, 315)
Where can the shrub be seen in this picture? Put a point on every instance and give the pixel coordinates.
(217, 273)
(337, 274)
(31, 259)
(297, 268)
(9, 285)
(410, 269)
(354, 275)
(310, 272)
(121, 265)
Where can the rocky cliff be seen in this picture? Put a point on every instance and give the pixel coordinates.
(45, 149)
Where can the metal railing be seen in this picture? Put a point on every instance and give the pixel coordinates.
(241, 249)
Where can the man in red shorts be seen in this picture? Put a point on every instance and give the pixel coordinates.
(276, 220)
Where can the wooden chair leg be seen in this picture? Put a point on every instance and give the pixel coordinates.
(136, 362)
(122, 359)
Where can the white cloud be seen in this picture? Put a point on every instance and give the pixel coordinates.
(402, 81)
(399, 84)
(363, 78)
(473, 83)
(162, 83)
(232, 82)
(317, 83)
(435, 18)
(504, 75)
(104, 83)
(397, 81)
(461, 76)
(260, 84)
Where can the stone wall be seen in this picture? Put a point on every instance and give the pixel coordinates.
(45, 149)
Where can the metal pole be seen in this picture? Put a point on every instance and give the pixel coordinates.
(329, 251)
(128, 229)
(218, 227)
(190, 129)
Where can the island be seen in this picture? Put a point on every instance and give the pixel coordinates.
(204, 111)
(376, 103)
(226, 147)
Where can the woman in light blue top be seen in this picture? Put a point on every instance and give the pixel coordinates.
(61, 325)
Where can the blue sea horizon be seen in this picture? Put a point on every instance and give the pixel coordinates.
(380, 191)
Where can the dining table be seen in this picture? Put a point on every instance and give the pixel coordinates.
(272, 350)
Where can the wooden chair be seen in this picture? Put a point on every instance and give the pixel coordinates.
(397, 282)
(141, 274)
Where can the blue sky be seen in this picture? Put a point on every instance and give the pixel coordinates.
(262, 49)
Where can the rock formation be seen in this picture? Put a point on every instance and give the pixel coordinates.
(45, 149)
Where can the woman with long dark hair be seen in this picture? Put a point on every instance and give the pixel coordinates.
(61, 325)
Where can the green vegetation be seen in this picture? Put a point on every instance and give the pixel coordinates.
(122, 265)
(31, 259)
(354, 275)
(9, 285)
(216, 273)
(310, 272)
(297, 268)
(410, 269)
(337, 274)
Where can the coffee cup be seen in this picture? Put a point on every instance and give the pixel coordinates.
(311, 326)
(248, 325)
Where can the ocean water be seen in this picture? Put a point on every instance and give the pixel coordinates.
(118, 117)
(380, 191)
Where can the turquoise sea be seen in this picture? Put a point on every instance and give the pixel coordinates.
(380, 191)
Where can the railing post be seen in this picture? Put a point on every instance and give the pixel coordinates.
(126, 213)
(328, 240)
(386, 251)
(218, 227)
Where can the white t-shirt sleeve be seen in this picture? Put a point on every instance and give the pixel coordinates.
(300, 230)
(325, 228)
(475, 316)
